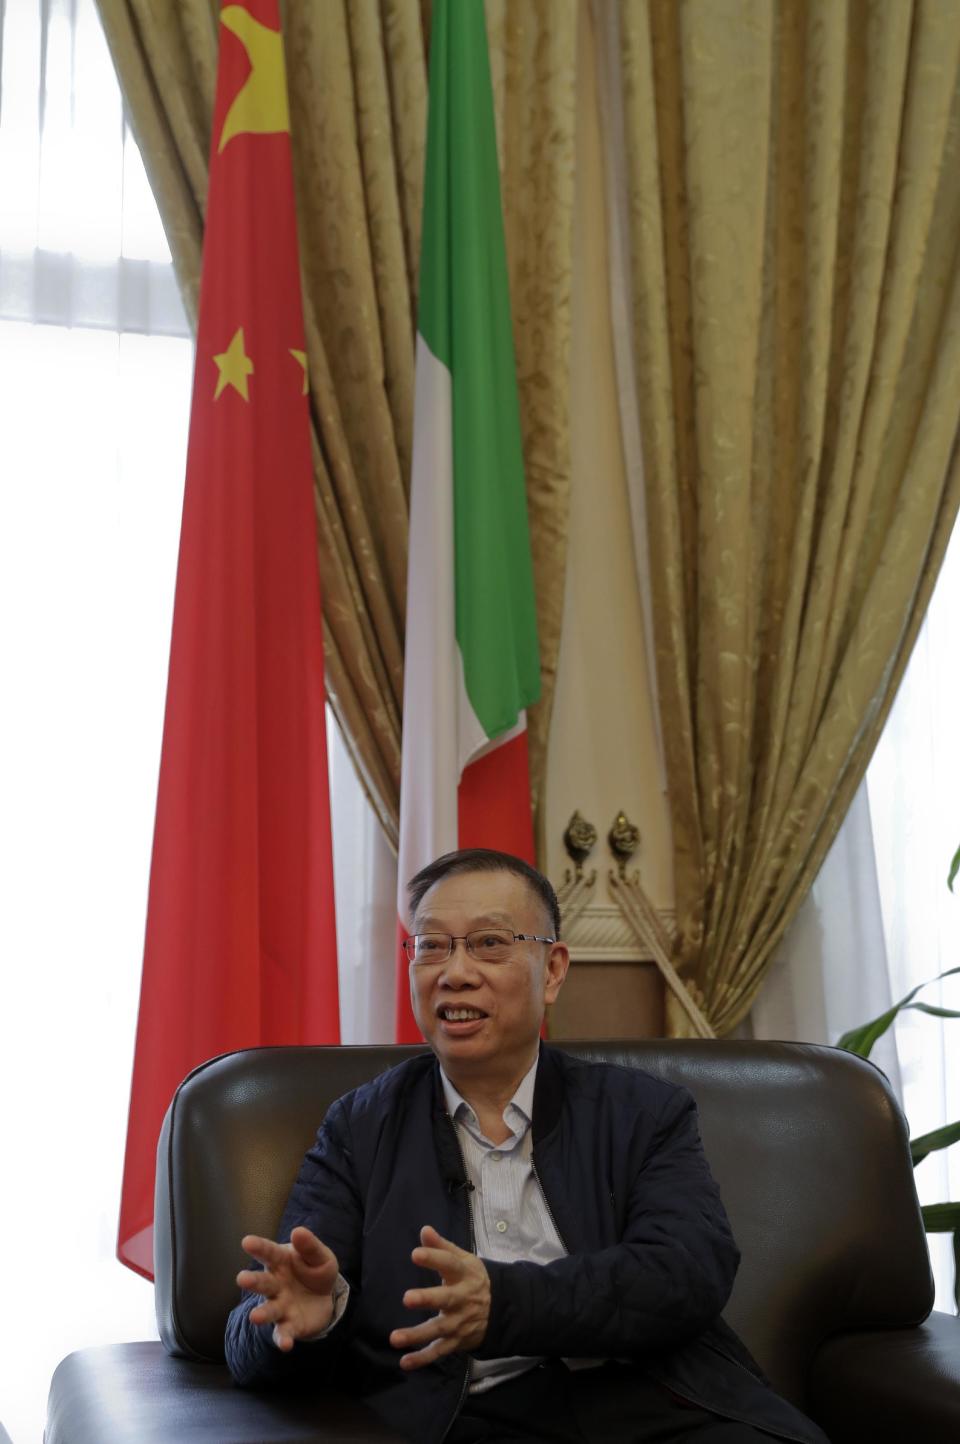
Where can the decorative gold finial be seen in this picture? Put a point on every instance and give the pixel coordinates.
(624, 839)
(579, 840)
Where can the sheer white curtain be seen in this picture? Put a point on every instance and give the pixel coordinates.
(365, 882)
(831, 971)
(95, 371)
(80, 239)
(85, 590)
(88, 537)
(914, 785)
(879, 918)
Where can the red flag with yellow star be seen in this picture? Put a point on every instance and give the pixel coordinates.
(240, 940)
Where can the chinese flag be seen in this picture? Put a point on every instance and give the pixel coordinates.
(240, 940)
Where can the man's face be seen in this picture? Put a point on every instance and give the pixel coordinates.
(506, 1000)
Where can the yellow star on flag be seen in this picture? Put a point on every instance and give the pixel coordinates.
(260, 106)
(301, 356)
(234, 365)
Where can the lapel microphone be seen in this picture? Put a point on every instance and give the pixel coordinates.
(457, 1185)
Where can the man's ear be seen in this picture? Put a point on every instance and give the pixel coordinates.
(558, 961)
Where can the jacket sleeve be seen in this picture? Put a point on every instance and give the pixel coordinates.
(326, 1200)
(668, 1277)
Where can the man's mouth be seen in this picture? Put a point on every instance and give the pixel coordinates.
(450, 1014)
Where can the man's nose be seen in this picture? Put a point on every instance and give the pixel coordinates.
(460, 966)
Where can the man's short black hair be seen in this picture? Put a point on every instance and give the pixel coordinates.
(485, 859)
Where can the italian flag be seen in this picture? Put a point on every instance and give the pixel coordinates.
(472, 658)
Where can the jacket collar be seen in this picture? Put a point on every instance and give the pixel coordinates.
(548, 1094)
(547, 1104)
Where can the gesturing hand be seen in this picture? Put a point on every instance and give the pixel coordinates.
(462, 1302)
(296, 1285)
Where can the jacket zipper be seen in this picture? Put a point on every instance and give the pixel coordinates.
(546, 1201)
(473, 1248)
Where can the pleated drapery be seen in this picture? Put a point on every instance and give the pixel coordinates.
(784, 183)
(793, 215)
(357, 79)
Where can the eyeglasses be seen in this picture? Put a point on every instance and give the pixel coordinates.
(486, 945)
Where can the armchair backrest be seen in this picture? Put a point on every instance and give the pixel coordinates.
(807, 1144)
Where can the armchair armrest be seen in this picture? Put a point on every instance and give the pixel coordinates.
(890, 1385)
(138, 1394)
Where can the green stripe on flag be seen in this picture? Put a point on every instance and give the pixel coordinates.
(465, 321)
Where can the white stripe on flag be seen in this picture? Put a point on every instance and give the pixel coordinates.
(441, 731)
(431, 683)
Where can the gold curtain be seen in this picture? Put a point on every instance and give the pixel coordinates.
(357, 76)
(794, 228)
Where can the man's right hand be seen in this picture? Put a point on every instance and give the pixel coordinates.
(295, 1285)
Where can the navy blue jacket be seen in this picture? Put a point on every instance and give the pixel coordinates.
(651, 1259)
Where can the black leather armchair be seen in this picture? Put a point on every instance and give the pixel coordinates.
(808, 1146)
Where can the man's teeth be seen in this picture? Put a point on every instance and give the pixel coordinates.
(461, 1015)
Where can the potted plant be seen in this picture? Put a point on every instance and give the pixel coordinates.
(937, 1217)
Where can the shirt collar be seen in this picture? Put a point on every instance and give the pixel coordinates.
(521, 1100)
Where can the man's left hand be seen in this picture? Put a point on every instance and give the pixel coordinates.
(462, 1302)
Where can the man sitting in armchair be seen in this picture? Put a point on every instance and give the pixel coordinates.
(566, 1208)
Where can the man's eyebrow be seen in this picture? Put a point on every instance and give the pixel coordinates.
(428, 923)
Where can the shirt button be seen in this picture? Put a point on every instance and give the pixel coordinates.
(495, 1157)
(501, 1226)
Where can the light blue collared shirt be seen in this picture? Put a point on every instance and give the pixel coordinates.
(511, 1220)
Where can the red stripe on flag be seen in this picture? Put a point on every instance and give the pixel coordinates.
(493, 804)
(493, 801)
(407, 1028)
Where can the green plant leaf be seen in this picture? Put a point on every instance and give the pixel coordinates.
(941, 1217)
(945, 1218)
(933, 1010)
(861, 1040)
(954, 869)
(930, 1142)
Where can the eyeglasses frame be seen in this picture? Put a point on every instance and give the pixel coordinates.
(462, 938)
